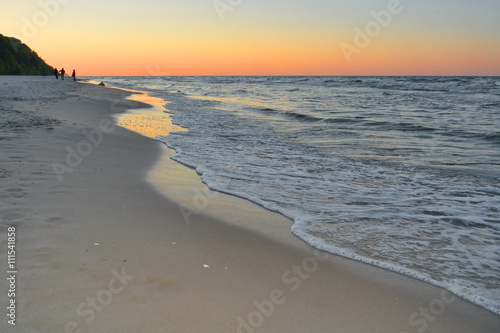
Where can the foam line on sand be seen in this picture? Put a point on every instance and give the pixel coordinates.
(99, 249)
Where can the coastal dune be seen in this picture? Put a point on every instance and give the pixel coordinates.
(108, 238)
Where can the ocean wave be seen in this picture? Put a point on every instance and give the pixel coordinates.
(495, 137)
(355, 168)
(303, 117)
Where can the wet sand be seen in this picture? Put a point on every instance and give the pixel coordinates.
(100, 249)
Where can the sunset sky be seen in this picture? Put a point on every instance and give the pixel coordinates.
(260, 37)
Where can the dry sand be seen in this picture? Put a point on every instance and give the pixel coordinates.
(99, 249)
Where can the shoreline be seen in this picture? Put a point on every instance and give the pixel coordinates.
(204, 196)
(200, 199)
(182, 184)
(104, 234)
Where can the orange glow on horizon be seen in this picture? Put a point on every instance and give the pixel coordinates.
(371, 61)
(186, 40)
(377, 59)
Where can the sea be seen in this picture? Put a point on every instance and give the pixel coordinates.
(397, 172)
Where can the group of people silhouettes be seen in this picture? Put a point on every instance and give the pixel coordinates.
(62, 72)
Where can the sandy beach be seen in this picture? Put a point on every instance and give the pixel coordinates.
(113, 236)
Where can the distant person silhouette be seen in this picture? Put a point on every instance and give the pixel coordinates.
(62, 73)
(74, 75)
(56, 73)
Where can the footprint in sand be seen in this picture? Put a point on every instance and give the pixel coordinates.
(4, 173)
(11, 217)
(54, 219)
(15, 192)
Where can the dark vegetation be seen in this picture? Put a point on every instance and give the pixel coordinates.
(16, 58)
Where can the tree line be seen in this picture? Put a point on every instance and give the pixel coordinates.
(16, 58)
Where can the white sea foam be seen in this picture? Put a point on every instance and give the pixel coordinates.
(401, 173)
